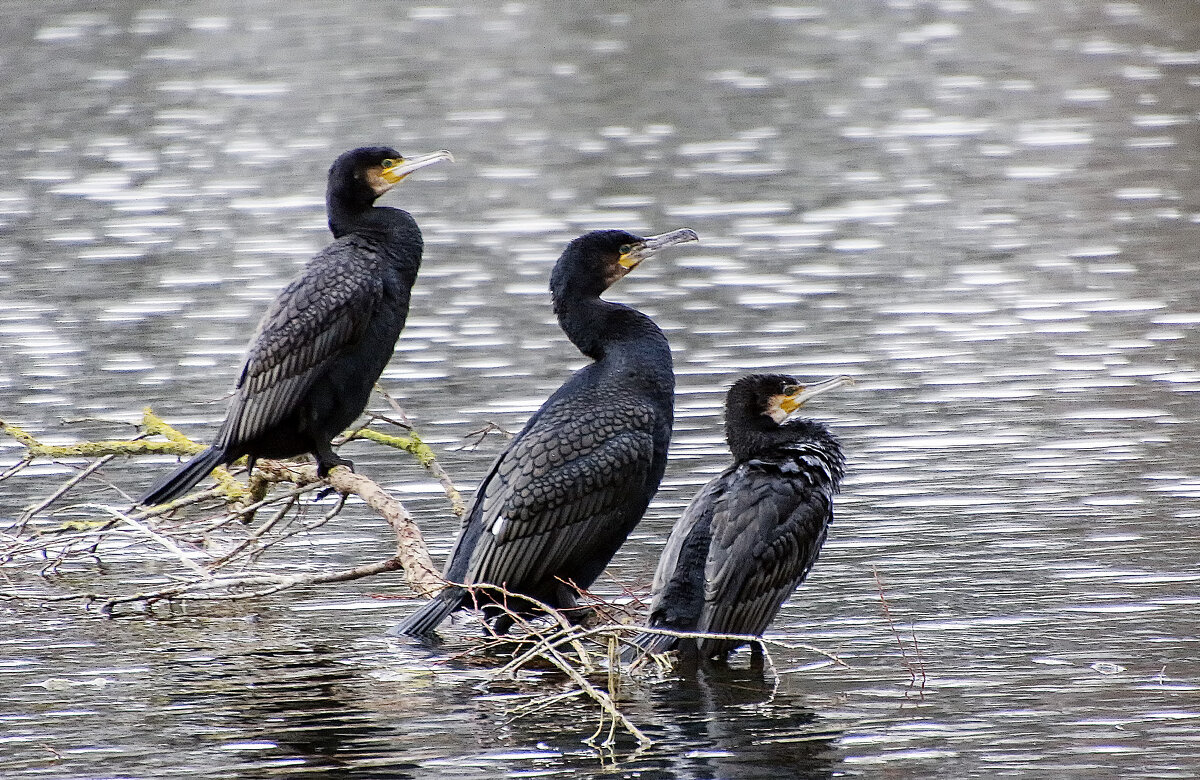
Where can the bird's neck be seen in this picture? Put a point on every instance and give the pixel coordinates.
(603, 330)
(345, 219)
(762, 439)
(390, 227)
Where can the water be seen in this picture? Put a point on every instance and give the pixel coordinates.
(984, 211)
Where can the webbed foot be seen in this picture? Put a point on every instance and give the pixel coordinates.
(327, 459)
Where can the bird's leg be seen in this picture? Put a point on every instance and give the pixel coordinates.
(756, 656)
(503, 623)
(327, 459)
(566, 602)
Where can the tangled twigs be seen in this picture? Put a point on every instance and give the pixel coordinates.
(200, 543)
(423, 576)
(550, 650)
(588, 656)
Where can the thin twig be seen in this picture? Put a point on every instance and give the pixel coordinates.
(17, 467)
(258, 534)
(564, 626)
(887, 614)
(45, 503)
(456, 501)
(541, 703)
(162, 540)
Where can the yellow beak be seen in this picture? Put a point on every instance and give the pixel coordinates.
(407, 165)
(801, 394)
(644, 249)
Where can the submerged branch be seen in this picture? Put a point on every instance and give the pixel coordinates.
(423, 576)
(209, 546)
(201, 548)
(587, 656)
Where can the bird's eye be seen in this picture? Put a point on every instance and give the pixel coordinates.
(390, 163)
(625, 249)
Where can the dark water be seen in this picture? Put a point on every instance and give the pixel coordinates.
(986, 211)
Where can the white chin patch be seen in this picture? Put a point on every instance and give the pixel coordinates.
(775, 411)
(377, 183)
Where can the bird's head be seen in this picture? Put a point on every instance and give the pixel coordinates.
(774, 396)
(593, 262)
(361, 175)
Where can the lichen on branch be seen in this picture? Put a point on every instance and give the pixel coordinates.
(35, 537)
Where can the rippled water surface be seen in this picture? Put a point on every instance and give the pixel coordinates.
(984, 210)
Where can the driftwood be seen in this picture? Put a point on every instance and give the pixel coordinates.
(38, 539)
(210, 544)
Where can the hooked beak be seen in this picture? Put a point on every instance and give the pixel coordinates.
(798, 395)
(407, 165)
(651, 245)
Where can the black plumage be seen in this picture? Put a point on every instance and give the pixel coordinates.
(564, 495)
(327, 337)
(753, 532)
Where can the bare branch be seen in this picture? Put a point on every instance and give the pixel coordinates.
(62, 490)
(423, 576)
(430, 462)
(162, 540)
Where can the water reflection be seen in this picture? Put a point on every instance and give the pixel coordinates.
(271, 710)
(735, 723)
(983, 210)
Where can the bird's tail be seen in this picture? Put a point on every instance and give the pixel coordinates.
(183, 479)
(422, 622)
(647, 644)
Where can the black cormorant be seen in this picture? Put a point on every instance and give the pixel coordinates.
(560, 500)
(753, 532)
(328, 336)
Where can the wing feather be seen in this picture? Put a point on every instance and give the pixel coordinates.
(317, 316)
(766, 537)
(563, 485)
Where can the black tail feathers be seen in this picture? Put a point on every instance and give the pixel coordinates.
(183, 479)
(647, 644)
(431, 614)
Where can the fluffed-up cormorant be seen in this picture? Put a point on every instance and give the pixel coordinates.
(753, 532)
(328, 336)
(564, 495)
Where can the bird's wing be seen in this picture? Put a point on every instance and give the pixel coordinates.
(766, 533)
(689, 536)
(568, 485)
(677, 596)
(315, 318)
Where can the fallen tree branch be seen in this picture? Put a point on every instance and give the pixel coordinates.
(423, 576)
(456, 501)
(164, 528)
(548, 646)
(197, 542)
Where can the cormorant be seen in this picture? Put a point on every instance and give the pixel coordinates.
(562, 497)
(327, 337)
(753, 532)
